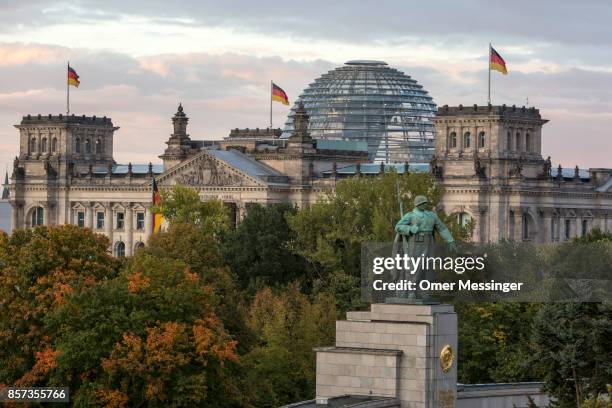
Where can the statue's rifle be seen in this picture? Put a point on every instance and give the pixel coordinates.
(399, 198)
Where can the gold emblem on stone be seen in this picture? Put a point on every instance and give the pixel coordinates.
(447, 357)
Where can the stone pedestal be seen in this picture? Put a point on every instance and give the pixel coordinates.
(393, 350)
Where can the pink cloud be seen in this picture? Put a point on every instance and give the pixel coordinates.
(19, 54)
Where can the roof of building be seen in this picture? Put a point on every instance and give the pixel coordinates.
(375, 168)
(605, 186)
(248, 165)
(370, 101)
(349, 145)
(503, 110)
(70, 119)
(353, 401)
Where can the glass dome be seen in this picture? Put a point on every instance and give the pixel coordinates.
(369, 101)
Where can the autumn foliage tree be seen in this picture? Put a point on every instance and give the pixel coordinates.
(149, 336)
(40, 269)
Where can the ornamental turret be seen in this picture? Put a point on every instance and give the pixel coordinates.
(180, 146)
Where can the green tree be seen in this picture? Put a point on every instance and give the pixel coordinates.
(281, 368)
(331, 231)
(258, 250)
(494, 342)
(182, 205)
(572, 350)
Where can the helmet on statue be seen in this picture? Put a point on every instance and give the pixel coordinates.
(420, 200)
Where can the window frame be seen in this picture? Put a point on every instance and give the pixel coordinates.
(100, 220)
(120, 220)
(138, 227)
(467, 140)
(482, 139)
(80, 222)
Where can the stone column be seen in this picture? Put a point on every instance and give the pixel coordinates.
(46, 213)
(546, 227)
(108, 222)
(88, 216)
(148, 223)
(129, 229)
(14, 216)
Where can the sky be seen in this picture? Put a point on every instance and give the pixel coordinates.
(138, 59)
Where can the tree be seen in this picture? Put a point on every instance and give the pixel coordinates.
(182, 205)
(148, 337)
(572, 349)
(330, 232)
(281, 368)
(199, 250)
(494, 342)
(258, 250)
(40, 269)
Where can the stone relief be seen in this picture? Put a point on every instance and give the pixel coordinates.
(208, 173)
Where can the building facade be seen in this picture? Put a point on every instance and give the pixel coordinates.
(65, 173)
(489, 159)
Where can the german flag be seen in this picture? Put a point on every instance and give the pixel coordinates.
(73, 77)
(496, 62)
(279, 95)
(158, 218)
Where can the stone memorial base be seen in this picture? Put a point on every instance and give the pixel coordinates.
(394, 350)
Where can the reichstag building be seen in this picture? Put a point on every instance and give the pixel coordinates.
(357, 120)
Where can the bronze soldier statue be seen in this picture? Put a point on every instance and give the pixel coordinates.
(415, 237)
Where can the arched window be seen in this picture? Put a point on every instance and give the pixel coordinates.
(54, 145)
(120, 250)
(467, 140)
(87, 146)
(98, 146)
(452, 140)
(43, 145)
(33, 145)
(37, 216)
(519, 146)
(509, 141)
(77, 145)
(481, 140)
(528, 142)
(139, 245)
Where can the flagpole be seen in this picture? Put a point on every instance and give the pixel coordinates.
(271, 89)
(489, 97)
(67, 91)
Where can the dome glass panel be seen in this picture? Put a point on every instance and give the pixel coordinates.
(372, 102)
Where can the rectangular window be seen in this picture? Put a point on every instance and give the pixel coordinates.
(120, 220)
(81, 219)
(140, 221)
(585, 227)
(567, 229)
(99, 220)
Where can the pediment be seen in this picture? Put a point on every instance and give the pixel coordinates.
(204, 170)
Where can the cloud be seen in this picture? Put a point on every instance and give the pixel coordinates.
(138, 59)
(219, 92)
